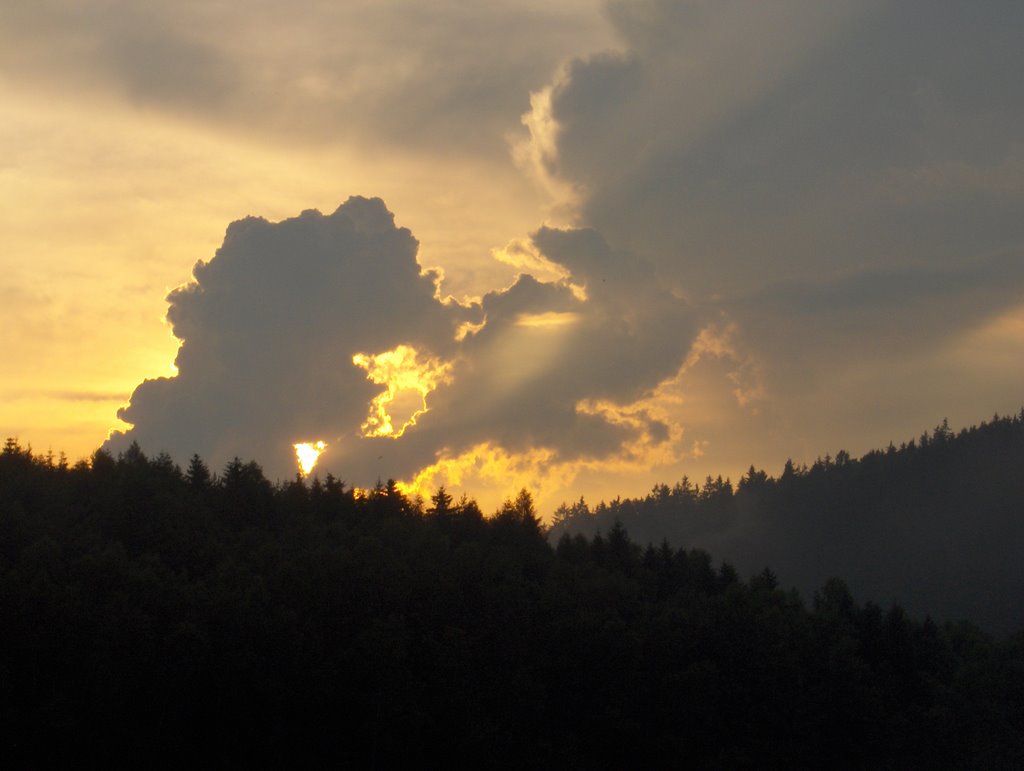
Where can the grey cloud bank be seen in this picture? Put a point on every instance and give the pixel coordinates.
(448, 77)
(844, 181)
(737, 143)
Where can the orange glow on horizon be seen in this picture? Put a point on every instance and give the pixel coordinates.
(491, 469)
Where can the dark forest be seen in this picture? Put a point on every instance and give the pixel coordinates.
(158, 615)
(936, 524)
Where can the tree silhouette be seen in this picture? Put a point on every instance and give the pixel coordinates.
(301, 623)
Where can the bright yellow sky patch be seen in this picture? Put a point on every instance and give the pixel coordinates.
(547, 320)
(408, 380)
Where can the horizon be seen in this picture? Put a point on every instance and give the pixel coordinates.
(311, 474)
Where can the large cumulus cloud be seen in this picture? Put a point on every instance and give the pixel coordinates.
(270, 326)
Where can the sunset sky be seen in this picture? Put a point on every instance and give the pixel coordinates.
(583, 247)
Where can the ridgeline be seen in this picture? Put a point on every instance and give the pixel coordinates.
(936, 524)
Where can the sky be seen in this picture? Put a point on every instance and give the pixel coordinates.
(583, 249)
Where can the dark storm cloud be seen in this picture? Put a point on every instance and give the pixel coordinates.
(270, 325)
(843, 180)
(737, 142)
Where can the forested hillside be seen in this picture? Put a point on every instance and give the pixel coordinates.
(158, 616)
(936, 524)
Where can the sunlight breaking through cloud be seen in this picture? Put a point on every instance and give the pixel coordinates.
(547, 319)
(307, 453)
(408, 381)
(490, 465)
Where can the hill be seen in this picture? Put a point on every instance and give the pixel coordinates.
(936, 524)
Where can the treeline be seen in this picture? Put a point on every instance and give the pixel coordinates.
(161, 616)
(936, 524)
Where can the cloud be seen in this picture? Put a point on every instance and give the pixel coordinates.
(785, 220)
(269, 328)
(843, 181)
(738, 142)
(398, 74)
(535, 374)
(325, 328)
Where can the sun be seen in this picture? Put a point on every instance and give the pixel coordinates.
(307, 454)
